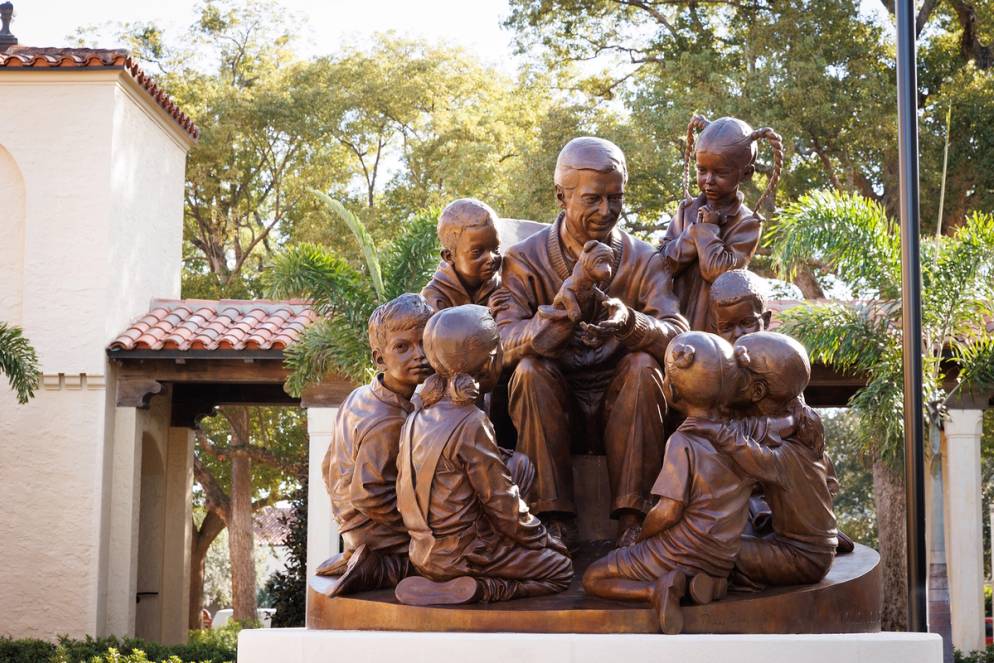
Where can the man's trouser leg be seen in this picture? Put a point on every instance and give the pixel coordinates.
(634, 408)
(539, 405)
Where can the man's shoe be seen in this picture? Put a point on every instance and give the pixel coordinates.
(564, 529)
(417, 590)
(629, 537)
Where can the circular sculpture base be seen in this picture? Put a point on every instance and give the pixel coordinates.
(846, 601)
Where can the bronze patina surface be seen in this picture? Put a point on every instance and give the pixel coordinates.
(847, 600)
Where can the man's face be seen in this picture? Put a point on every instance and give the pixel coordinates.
(477, 255)
(592, 207)
(736, 319)
(403, 359)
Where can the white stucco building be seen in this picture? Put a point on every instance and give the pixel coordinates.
(92, 165)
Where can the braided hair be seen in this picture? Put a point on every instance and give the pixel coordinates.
(734, 133)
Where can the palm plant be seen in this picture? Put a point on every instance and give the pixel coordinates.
(344, 295)
(854, 239)
(18, 362)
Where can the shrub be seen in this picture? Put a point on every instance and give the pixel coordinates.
(288, 588)
(983, 656)
(218, 646)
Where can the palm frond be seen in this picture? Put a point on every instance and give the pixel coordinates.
(19, 362)
(958, 281)
(880, 407)
(846, 233)
(408, 262)
(975, 358)
(849, 338)
(329, 345)
(313, 273)
(364, 239)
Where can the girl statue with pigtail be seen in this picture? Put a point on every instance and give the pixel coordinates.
(715, 232)
(473, 537)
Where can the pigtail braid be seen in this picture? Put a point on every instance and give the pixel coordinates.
(463, 388)
(697, 123)
(776, 143)
(433, 390)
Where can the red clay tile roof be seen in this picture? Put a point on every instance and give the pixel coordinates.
(228, 324)
(95, 58)
(269, 527)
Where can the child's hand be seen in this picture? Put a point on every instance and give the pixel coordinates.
(553, 543)
(707, 214)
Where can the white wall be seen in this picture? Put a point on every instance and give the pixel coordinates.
(100, 168)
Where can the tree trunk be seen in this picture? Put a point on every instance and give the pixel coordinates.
(241, 541)
(888, 496)
(806, 281)
(202, 539)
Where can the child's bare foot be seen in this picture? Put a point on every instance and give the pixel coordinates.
(666, 600)
(416, 590)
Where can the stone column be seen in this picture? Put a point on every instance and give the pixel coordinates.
(178, 535)
(322, 533)
(965, 547)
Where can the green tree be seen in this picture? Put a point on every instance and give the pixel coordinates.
(345, 296)
(855, 239)
(19, 362)
(244, 460)
(821, 72)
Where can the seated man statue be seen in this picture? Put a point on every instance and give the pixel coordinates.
(573, 377)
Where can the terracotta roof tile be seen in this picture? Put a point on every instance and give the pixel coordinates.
(17, 57)
(228, 324)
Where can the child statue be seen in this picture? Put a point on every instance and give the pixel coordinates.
(472, 535)
(470, 269)
(716, 232)
(360, 467)
(738, 304)
(792, 469)
(695, 528)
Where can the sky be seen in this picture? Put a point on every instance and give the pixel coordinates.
(473, 24)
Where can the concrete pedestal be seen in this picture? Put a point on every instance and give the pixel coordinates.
(308, 646)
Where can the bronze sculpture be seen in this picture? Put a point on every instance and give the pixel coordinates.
(738, 304)
(470, 269)
(583, 314)
(792, 468)
(472, 535)
(715, 232)
(360, 466)
(603, 380)
(695, 529)
(580, 295)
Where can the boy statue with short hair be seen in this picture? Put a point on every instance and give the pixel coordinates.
(470, 269)
(360, 467)
(738, 304)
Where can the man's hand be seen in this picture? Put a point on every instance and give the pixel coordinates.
(614, 324)
(556, 329)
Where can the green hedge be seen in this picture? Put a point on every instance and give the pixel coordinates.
(218, 646)
(986, 656)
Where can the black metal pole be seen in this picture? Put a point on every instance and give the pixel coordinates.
(911, 307)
